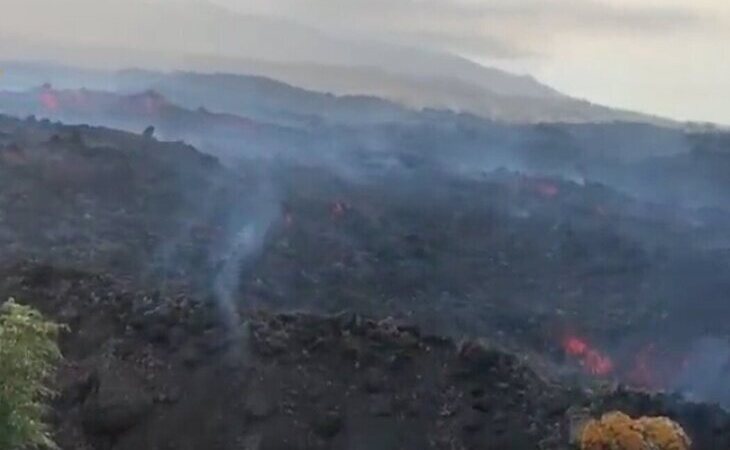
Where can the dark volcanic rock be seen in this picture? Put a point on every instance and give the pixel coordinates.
(380, 405)
(119, 404)
(328, 424)
(479, 354)
(260, 401)
(473, 421)
(122, 237)
(79, 389)
(376, 381)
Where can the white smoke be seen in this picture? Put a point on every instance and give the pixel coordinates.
(246, 242)
(706, 372)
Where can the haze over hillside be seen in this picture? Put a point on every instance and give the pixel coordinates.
(325, 225)
(205, 37)
(656, 56)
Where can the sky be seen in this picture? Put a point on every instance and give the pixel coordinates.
(668, 57)
(665, 57)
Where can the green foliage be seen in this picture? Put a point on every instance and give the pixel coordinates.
(28, 358)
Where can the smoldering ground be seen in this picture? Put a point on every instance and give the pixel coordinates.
(464, 225)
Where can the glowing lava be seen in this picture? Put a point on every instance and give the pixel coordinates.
(592, 360)
(547, 190)
(49, 100)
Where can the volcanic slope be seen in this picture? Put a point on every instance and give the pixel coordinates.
(181, 330)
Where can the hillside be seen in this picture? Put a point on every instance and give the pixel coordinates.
(176, 273)
(242, 117)
(206, 38)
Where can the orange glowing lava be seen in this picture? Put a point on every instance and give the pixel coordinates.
(49, 100)
(592, 360)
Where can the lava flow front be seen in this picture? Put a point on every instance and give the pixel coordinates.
(592, 360)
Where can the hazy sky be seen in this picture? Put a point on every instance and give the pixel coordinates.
(670, 57)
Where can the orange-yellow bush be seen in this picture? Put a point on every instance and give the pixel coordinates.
(617, 431)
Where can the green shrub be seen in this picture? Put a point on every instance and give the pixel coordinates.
(28, 358)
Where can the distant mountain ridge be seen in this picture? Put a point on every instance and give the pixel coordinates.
(206, 38)
(206, 29)
(381, 93)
